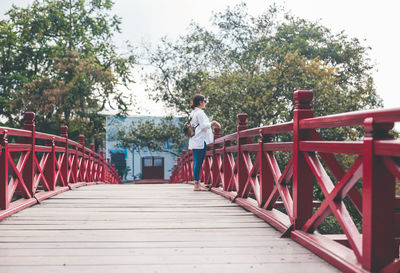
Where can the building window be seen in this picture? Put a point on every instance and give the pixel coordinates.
(148, 162)
(158, 161)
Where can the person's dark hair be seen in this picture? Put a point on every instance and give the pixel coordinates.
(197, 98)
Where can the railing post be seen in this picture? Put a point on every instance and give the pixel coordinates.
(82, 167)
(75, 167)
(91, 163)
(215, 159)
(65, 162)
(101, 167)
(302, 175)
(266, 178)
(97, 167)
(241, 167)
(29, 170)
(181, 170)
(4, 171)
(104, 167)
(50, 168)
(114, 179)
(226, 167)
(106, 177)
(379, 247)
(108, 172)
(185, 171)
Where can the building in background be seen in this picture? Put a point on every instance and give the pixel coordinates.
(140, 164)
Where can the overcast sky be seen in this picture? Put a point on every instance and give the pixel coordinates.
(377, 22)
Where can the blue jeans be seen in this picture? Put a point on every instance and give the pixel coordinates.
(198, 157)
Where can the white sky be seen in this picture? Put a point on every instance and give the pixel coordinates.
(377, 22)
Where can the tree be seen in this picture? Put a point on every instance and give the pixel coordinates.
(163, 136)
(58, 60)
(253, 65)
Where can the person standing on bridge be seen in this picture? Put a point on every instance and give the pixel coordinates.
(203, 135)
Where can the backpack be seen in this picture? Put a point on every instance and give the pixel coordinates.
(188, 129)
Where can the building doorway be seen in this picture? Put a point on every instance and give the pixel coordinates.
(118, 158)
(152, 167)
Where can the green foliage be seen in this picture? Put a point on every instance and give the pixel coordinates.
(58, 60)
(124, 172)
(253, 65)
(154, 136)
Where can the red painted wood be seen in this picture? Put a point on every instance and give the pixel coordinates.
(227, 138)
(266, 185)
(387, 148)
(302, 175)
(50, 168)
(338, 193)
(282, 146)
(4, 203)
(37, 172)
(349, 147)
(337, 207)
(268, 130)
(351, 119)
(256, 183)
(379, 248)
(335, 253)
(337, 170)
(29, 168)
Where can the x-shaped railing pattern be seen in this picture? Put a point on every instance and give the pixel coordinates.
(31, 172)
(249, 173)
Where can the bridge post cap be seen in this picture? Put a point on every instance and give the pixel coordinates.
(29, 117)
(303, 96)
(371, 126)
(242, 117)
(101, 153)
(81, 139)
(64, 130)
(108, 160)
(92, 146)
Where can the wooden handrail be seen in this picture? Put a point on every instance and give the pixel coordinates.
(257, 182)
(30, 172)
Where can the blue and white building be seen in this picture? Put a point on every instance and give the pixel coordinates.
(141, 164)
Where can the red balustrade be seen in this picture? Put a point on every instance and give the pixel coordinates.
(247, 172)
(35, 166)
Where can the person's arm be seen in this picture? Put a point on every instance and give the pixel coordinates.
(215, 123)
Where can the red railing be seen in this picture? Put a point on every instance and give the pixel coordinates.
(35, 166)
(248, 173)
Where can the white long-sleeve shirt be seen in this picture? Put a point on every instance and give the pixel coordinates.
(203, 132)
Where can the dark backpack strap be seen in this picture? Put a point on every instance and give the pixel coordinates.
(194, 127)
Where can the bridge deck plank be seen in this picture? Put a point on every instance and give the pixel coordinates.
(146, 228)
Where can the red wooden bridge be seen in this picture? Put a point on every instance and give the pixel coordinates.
(247, 172)
(35, 166)
(170, 228)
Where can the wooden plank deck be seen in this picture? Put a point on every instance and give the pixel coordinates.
(146, 228)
